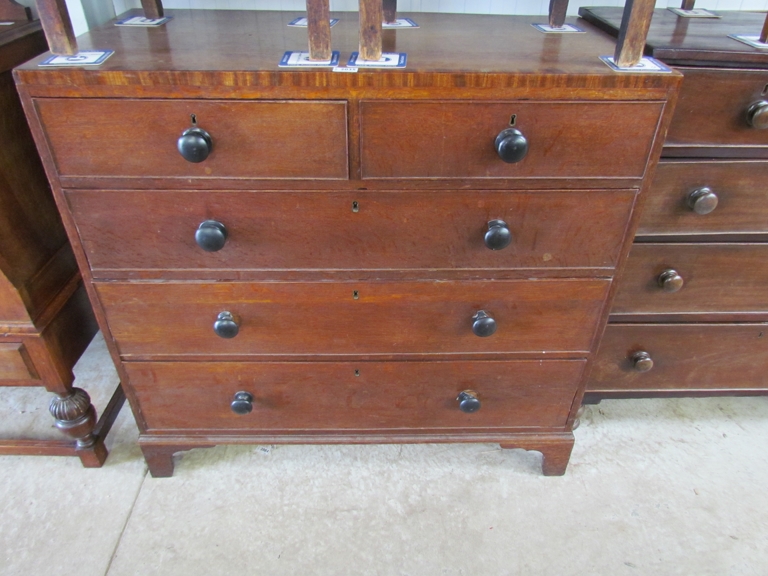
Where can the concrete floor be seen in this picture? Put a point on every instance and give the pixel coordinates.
(654, 487)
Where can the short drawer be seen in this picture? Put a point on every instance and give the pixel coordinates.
(16, 366)
(250, 139)
(710, 278)
(457, 139)
(335, 396)
(157, 231)
(296, 318)
(706, 197)
(688, 357)
(712, 111)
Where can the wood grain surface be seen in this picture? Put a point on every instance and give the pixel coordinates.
(347, 396)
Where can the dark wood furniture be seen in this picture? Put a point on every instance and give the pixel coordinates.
(691, 311)
(46, 318)
(305, 256)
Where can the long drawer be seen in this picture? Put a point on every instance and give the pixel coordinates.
(157, 231)
(457, 139)
(681, 357)
(333, 396)
(343, 318)
(707, 198)
(138, 138)
(712, 112)
(713, 278)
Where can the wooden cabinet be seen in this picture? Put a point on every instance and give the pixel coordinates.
(704, 224)
(353, 259)
(46, 321)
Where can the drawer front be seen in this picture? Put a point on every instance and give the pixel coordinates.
(353, 317)
(712, 109)
(457, 139)
(155, 231)
(295, 397)
(15, 363)
(253, 139)
(684, 357)
(678, 203)
(716, 278)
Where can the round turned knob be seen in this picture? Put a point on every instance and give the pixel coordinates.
(670, 281)
(702, 201)
(468, 401)
(757, 115)
(195, 144)
(511, 145)
(211, 236)
(483, 325)
(498, 236)
(641, 361)
(242, 403)
(225, 325)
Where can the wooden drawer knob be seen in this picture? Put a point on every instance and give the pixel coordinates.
(511, 145)
(483, 325)
(211, 236)
(242, 403)
(498, 235)
(757, 115)
(468, 401)
(225, 325)
(702, 201)
(642, 361)
(670, 281)
(195, 145)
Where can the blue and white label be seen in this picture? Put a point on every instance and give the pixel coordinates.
(303, 22)
(564, 29)
(142, 22)
(646, 65)
(93, 58)
(400, 23)
(753, 41)
(695, 13)
(387, 60)
(301, 60)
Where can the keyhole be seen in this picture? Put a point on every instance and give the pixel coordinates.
(355, 207)
(355, 295)
(193, 117)
(513, 119)
(357, 372)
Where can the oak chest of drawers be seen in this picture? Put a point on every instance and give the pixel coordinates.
(690, 314)
(410, 255)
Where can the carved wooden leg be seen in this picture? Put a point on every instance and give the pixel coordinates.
(555, 449)
(75, 416)
(159, 459)
(633, 33)
(557, 10)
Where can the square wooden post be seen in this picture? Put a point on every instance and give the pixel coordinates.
(390, 11)
(319, 29)
(57, 27)
(371, 16)
(557, 10)
(633, 33)
(152, 8)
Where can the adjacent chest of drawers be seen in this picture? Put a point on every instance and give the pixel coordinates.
(418, 255)
(690, 314)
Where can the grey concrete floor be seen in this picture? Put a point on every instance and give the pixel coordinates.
(654, 487)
